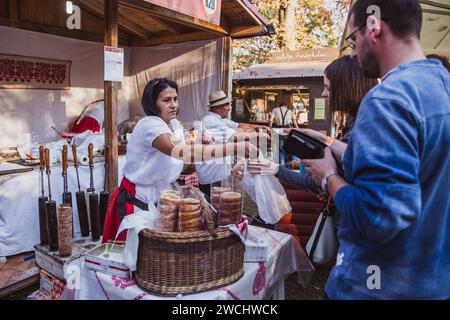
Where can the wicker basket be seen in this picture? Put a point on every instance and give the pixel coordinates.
(170, 263)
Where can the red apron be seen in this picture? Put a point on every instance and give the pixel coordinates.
(121, 204)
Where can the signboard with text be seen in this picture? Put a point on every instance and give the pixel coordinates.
(319, 109)
(206, 10)
(114, 58)
(326, 54)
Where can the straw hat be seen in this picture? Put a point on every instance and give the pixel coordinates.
(218, 98)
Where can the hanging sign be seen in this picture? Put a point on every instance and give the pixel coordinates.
(113, 63)
(319, 109)
(206, 10)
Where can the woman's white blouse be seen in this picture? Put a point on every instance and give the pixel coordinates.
(151, 170)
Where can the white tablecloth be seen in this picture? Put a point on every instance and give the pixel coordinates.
(285, 257)
(19, 193)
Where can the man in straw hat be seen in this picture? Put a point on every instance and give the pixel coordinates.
(220, 129)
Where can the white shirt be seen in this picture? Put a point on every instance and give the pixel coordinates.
(278, 116)
(151, 170)
(221, 130)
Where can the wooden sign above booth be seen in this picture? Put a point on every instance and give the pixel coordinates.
(21, 72)
(325, 54)
(206, 10)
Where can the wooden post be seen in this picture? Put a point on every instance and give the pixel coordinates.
(227, 66)
(13, 13)
(111, 134)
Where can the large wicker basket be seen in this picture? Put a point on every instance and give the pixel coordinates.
(170, 263)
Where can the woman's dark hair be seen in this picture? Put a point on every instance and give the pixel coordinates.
(151, 93)
(404, 17)
(442, 59)
(348, 85)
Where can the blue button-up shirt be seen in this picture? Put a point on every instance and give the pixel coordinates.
(395, 215)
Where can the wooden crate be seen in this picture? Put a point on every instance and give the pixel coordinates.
(56, 265)
(18, 272)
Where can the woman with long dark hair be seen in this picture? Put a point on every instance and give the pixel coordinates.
(344, 88)
(156, 154)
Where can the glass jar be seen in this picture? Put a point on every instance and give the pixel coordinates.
(229, 200)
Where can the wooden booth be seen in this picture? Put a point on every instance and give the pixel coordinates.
(292, 77)
(52, 64)
(159, 38)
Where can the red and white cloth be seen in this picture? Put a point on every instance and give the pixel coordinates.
(240, 229)
(285, 257)
(190, 180)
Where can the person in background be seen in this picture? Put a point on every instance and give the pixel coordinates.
(394, 201)
(91, 119)
(301, 115)
(344, 88)
(156, 155)
(283, 117)
(219, 129)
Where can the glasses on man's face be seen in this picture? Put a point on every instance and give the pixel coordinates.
(351, 38)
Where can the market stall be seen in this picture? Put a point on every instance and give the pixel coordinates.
(291, 77)
(159, 38)
(68, 69)
(135, 26)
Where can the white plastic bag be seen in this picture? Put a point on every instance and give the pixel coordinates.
(269, 195)
(83, 140)
(134, 223)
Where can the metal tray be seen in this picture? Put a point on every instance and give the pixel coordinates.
(107, 258)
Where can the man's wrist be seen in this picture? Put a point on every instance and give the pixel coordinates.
(324, 182)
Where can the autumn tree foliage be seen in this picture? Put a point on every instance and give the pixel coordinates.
(299, 24)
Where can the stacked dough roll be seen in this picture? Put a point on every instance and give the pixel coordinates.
(189, 215)
(216, 193)
(168, 209)
(65, 230)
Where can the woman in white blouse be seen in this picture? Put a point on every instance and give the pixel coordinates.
(156, 153)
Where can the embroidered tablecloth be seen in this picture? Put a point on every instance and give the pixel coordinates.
(258, 282)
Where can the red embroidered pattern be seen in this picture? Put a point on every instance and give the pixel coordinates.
(260, 279)
(33, 72)
(123, 283)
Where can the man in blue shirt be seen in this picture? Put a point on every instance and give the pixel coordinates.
(394, 203)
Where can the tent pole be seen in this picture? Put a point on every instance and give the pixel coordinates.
(227, 66)
(110, 92)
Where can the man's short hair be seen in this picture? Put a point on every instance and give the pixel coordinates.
(404, 17)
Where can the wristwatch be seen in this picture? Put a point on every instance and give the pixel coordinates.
(324, 182)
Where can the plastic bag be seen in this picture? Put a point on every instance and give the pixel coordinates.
(269, 196)
(83, 140)
(134, 223)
